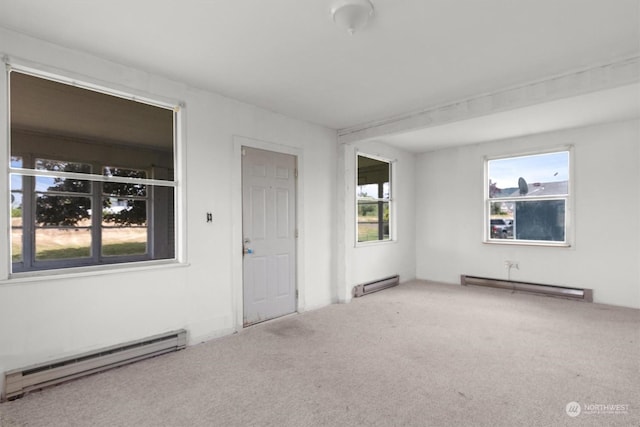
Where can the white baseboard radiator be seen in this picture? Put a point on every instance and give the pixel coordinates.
(579, 294)
(375, 286)
(18, 382)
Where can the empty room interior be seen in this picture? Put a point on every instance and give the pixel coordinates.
(349, 212)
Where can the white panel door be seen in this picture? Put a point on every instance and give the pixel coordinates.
(269, 241)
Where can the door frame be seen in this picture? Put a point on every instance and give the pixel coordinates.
(237, 289)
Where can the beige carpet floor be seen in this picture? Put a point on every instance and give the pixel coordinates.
(420, 354)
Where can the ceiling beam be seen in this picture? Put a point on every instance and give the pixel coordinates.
(608, 76)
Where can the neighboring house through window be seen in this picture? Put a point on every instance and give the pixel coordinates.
(528, 198)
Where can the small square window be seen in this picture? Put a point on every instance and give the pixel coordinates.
(528, 198)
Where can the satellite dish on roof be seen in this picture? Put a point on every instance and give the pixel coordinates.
(522, 185)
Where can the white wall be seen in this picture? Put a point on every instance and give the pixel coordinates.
(55, 316)
(372, 261)
(607, 214)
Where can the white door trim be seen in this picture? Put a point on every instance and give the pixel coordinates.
(236, 215)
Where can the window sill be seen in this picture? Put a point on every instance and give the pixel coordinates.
(73, 272)
(526, 243)
(375, 243)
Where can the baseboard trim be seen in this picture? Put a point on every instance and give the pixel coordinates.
(578, 294)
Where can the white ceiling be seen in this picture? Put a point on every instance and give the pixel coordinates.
(289, 57)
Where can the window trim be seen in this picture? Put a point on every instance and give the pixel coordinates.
(568, 198)
(390, 200)
(177, 109)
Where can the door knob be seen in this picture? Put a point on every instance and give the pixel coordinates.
(245, 249)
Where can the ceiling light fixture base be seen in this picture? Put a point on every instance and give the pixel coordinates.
(352, 15)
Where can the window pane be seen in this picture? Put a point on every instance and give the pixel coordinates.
(502, 209)
(16, 197)
(16, 180)
(16, 209)
(373, 178)
(63, 210)
(16, 161)
(54, 243)
(373, 221)
(16, 241)
(63, 227)
(372, 191)
(368, 190)
(539, 175)
(145, 133)
(16, 183)
(129, 173)
(117, 189)
(62, 166)
(124, 212)
(540, 220)
(120, 189)
(124, 240)
(500, 224)
(124, 227)
(62, 185)
(164, 223)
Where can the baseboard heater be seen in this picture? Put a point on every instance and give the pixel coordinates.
(21, 381)
(375, 286)
(549, 290)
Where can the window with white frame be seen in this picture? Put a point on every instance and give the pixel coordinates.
(373, 199)
(91, 177)
(528, 198)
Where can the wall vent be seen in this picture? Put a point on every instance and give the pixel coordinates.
(579, 294)
(375, 286)
(20, 381)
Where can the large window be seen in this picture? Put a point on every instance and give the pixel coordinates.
(528, 198)
(373, 196)
(91, 177)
